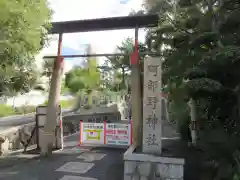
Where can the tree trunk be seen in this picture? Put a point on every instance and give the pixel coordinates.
(123, 77)
(48, 132)
(13, 103)
(193, 114)
(49, 83)
(215, 18)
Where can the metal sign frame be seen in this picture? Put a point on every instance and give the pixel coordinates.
(41, 112)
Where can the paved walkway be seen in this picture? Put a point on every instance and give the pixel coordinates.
(73, 163)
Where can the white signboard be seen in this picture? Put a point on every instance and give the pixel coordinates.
(43, 110)
(118, 134)
(92, 133)
(41, 120)
(106, 134)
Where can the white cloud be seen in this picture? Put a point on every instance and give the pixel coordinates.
(103, 41)
(65, 10)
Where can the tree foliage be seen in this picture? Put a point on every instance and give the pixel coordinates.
(23, 29)
(23, 25)
(48, 67)
(83, 78)
(17, 80)
(201, 61)
(122, 63)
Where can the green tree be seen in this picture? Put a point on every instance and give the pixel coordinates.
(17, 80)
(23, 30)
(83, 78)
(74, 79)
(48, 67)
(47, 70)
(64, 89)
(117, 81)
(122, 63)
(22, 34)
(202, 40)
(92, 75)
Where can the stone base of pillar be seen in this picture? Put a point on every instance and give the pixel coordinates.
(57, 139)
(146, 166)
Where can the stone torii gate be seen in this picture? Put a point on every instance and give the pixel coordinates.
(126, 22)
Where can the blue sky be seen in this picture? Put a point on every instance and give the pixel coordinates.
(69, 51)
(124, 1)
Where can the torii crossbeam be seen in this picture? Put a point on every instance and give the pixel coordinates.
(112, 23)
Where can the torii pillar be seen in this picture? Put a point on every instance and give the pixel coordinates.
(48, 132)
(136, 94)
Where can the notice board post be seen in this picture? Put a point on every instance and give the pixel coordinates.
(41, 112)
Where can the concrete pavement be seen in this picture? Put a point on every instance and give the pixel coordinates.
(73, 163)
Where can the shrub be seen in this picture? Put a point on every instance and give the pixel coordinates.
(64, 103)
(67, 103)
(25, 109)
(6, 110)
(179, 115)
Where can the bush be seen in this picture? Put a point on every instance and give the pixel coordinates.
(183, 128)
(67, 103)
(6, 110)
(25, 109)
(179, 115)
(64, 103)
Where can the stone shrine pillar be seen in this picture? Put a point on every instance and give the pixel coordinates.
(150, 162)
(152, 122)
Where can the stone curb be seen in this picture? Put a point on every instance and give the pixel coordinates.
(8, 130)
(16, 116)
(29, 114)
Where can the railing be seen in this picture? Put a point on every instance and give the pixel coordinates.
(99, 99)
(119, 134)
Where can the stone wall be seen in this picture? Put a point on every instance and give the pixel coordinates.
(71, 123)
(152, 171)
(13, 138)
(149, 167)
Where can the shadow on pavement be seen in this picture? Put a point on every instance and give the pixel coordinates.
(34, 167)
